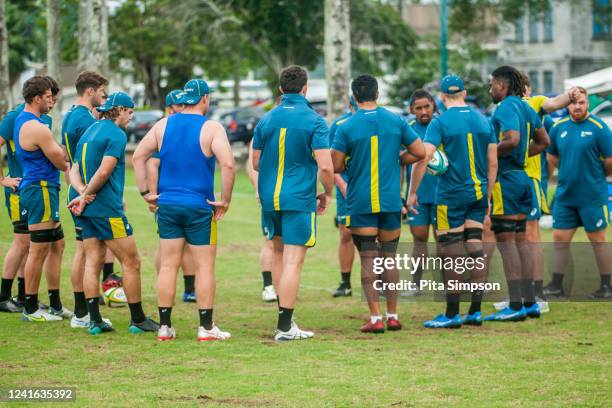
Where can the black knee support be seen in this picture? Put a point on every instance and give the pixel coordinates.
(476, 254)
(47, 235)
(472, 233)
(501, 225)
(20, 227)
(78, 234)
(389, 246)
(521, 225)
(450, 238)
(366, 242)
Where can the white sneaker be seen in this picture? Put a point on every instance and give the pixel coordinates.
(294, 333)
(544, 308)
(213, 334)
(166, 333)
(40, 316)
(65, 313)
(268, 294)
(501, 305)
(83, 322)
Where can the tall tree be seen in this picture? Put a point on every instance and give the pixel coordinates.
(93, 36)
(337, 49)
(54, 56)
(5, 88)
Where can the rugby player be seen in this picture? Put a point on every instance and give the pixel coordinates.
(367, 146)
(98, 174)
(188, 144)
(291, 143)
(42, 160)
(174, 105)
(346, 248)
(581, 148)
(521, 134)
(463, 192)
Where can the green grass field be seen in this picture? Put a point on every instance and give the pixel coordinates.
(562, 359)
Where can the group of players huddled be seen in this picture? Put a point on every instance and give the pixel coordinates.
(493, 191)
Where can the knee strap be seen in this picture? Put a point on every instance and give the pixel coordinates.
(501, 225)
(389, 246)
(450, 238)
(47, 235)
(20, 227)
(366, 242)
(521, 225)
(78, 233)
(472, 233)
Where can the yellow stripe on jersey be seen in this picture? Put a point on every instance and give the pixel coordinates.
(442, 217)
(477, 183)
(68, 147)
(557, 123)
(606, 212)
(528, 141)
(341, 121)
(281, 168)
(498, 203)
(213, 231)
(14, 207)
(374, 195)
(599, 125)
(83, 163)
(12, 144)
(117, 227)
(46, 201)
(312, 240)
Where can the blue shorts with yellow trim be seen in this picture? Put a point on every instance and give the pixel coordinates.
(512, 194)
(383, 220)
(592, 218)
(15, 210)
(295, 227)
(425, 217)
(196, 225)
(539, 205)
(340, 204)
(449, 216)
(40, 203)
(343, 220)
(105, 228)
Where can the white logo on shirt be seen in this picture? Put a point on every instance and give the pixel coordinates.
(584, 133)
(599, 223)
(563, 134)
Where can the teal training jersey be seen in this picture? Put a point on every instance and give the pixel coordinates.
(103, 138)
(513, 113)
(7, 126)
(75, 123)
(464, 135)
(332, 133)
(287, 137)
(427, 190)
(581, 148)
(372, 141)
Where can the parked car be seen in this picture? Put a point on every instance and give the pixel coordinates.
(239, 123)
(140, 124)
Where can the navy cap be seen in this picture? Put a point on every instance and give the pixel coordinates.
(115, 100)
(175, 97)
(451, 84)
(194, 90)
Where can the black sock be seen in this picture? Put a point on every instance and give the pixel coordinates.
(346, 278)
(21, 289)
(605, 280)
(206, 318)
(189, 283)
(557, 280)
(136, 312)
(452, 304)
(93, 308)
(476, 305)
(31, 303)
(417, 276)
(284, 318)
(107, 270)
(528, 292)
(80, 305)
(267, 278)
(514, 293)
(54, 299)
(538, 286)
(5, 291)
(164, 316)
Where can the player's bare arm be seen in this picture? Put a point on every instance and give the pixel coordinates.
(149, 144)
(326, 176)
(540, 142)
(418, 171)
(221, 149)
(9, 182)
(41, 137)
(492, 169)
(510, 139)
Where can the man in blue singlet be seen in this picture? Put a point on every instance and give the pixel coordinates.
(42, 160)
(187, 209)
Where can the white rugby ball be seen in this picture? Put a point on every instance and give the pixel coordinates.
(115, 297)
(438, 164)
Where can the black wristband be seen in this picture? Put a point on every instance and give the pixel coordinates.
(144, 193)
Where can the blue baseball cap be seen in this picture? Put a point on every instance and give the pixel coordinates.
(116, 99)
(194, 90)
(175, 97)
(451, 84)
